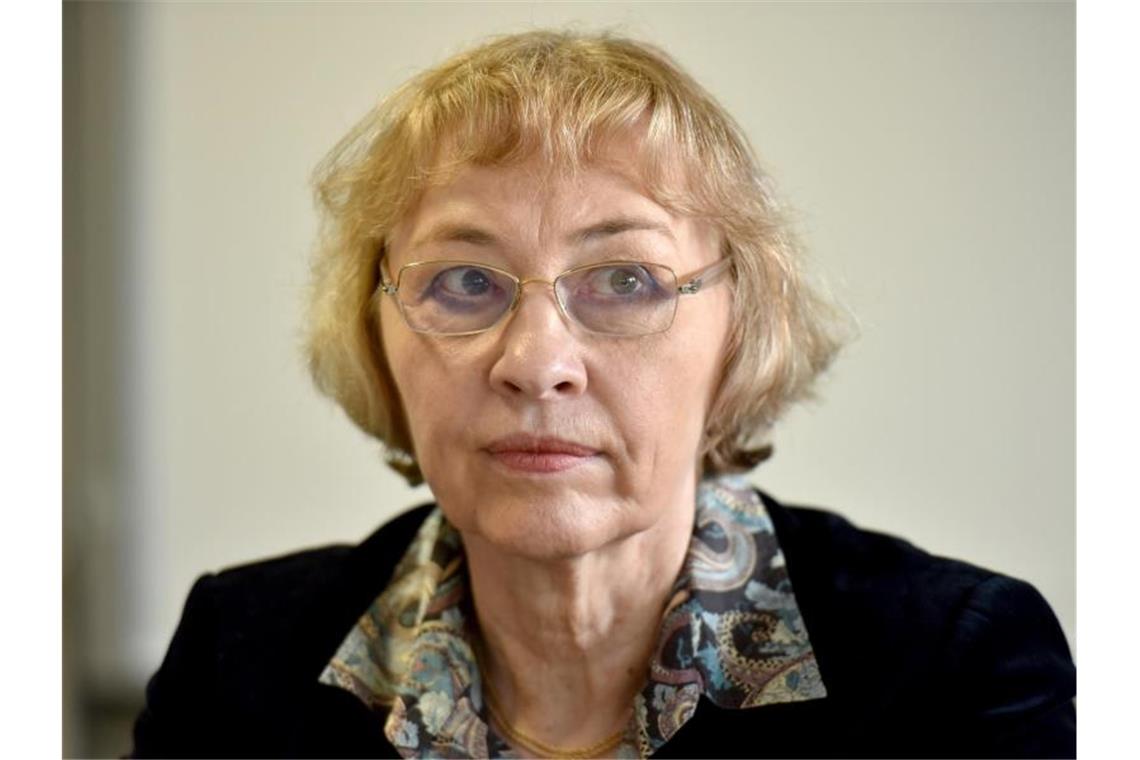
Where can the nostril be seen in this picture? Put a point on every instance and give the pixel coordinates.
(564, 387)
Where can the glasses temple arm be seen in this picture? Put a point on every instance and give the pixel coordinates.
(387, 286)
(704, 276)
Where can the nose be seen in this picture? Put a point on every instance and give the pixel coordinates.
(540, 358)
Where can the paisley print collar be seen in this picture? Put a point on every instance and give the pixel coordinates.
(731, 632)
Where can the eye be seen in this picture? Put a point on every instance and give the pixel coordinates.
(459, 288)
(464, 281)
(620, 282)
(623, 282)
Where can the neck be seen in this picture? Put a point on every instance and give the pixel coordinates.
(567, 642)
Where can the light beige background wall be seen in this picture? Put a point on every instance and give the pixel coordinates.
(929, 149)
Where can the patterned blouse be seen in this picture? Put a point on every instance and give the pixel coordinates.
(731, 631)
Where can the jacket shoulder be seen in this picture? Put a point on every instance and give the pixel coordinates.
(826, 544)
(313, 595)
(903, 597)
(259, 632)
(296, 579)
(930, 640)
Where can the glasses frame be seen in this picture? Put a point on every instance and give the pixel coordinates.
(690, 284)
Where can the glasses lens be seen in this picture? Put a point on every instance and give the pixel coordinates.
(452, 297)
(621, 298)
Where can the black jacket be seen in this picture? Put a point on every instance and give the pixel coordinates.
(922, 656)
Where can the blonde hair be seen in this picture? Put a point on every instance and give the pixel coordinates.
(560, 97)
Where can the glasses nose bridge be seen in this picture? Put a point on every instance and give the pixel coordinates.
(524, 281)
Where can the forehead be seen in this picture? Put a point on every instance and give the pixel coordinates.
(532, 197)
(528, 207)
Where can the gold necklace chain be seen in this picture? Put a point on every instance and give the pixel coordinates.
(547, 750)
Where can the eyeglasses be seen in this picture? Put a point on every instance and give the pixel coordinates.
(623, 298)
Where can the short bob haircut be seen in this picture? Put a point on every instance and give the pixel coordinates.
(559, 97)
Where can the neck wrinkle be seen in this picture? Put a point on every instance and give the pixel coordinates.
(566, 644)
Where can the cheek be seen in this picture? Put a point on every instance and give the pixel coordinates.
(431, 384)
(660, 398)
(437, 398)
(688, 377)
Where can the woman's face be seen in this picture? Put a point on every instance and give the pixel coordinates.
(487, 412)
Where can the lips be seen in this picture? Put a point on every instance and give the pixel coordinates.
(539, 454)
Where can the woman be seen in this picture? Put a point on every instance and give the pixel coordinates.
(554, 283)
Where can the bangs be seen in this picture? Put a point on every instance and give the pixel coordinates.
(564, 103)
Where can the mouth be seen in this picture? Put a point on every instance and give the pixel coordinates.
(539, 454)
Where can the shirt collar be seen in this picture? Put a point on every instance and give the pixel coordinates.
(732, 632)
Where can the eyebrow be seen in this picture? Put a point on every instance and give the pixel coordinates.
(618, 225)
(450, 232)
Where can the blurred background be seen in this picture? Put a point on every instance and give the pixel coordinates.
(929, 151)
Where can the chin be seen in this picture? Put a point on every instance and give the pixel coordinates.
(549, 532)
